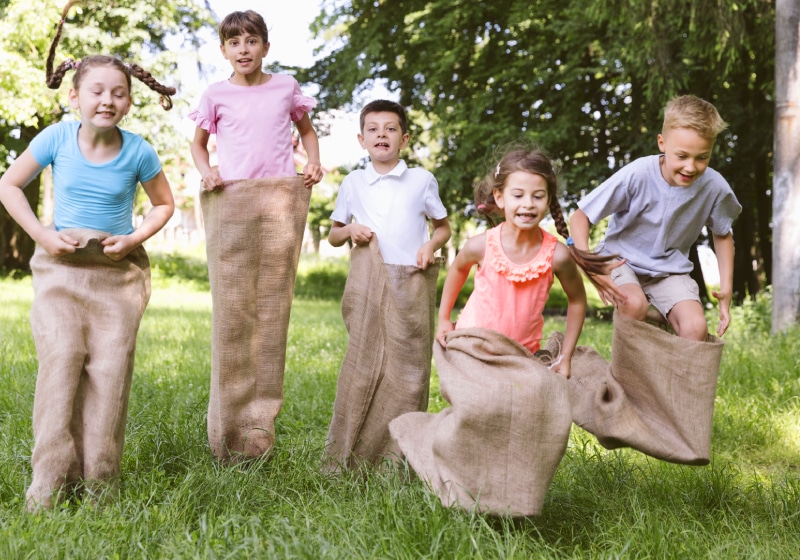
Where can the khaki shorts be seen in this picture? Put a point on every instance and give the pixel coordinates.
(662, 293)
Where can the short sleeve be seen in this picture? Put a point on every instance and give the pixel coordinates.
(611, 196)
(724, 213)
(342, 213)
(43, 146)
(433, 203)
(301, 104)
(149, 163)
(205, 116)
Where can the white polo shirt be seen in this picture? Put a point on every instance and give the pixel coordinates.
(395, 206)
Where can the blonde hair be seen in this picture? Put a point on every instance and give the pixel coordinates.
(688, 111)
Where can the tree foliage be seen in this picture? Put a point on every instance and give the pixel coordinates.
(136, 30)
(585, 80)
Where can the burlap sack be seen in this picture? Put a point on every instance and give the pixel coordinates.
(656, 396)
(254, 233)
(84, 318)
(496, 448)
(389, 314)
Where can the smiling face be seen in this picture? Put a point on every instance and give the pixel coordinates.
(383, 138)
(686, 155)
(523, 199)
(245, 52)
(103, 98)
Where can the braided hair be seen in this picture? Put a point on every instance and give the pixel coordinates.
(54, 77)
(533, 160)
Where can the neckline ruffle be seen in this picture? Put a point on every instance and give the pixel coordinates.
(538, 266)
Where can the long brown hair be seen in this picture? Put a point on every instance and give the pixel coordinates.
(533, 160)
(54, 78)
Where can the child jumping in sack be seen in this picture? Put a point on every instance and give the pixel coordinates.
(517, 260)
(91, 275)
(389, 300)
(659, 205)
(254, 209)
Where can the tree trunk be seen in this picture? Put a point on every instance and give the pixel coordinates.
(786, 179)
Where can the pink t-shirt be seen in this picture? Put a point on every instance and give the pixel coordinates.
(253, 125)
(509, 298)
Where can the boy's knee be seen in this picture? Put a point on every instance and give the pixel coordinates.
(688, 322)
(635, 306)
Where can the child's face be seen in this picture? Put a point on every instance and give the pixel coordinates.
(103, 97)
(686, 155)
(245, 53)
(382, 137)
(523, 200)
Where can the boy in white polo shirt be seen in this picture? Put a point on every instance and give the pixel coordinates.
(389, 306)
(388, 198)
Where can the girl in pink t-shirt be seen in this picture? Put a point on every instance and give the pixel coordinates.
(517, 259)
(251, 113)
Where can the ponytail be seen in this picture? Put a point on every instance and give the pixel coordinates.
(54, 78)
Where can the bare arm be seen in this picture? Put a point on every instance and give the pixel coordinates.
(24, 169)
(312, 172)
(723, 247)
(340, 233)
(579, 227)
(470, 255)
(441, 234)
(210, 175)
(571, 281)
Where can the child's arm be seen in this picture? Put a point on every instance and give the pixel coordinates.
(579, 226)
(16, 178)
(158, 191)
(441, 233)
(571, 281)
(312, 172)
(340, 233)
(723, 247)
(210, 175)
(470, 255)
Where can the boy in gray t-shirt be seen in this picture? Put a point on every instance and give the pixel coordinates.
(659, 205)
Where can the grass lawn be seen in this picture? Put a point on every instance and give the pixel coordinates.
(176, 502)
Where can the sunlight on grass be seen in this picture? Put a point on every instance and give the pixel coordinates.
(176, 502)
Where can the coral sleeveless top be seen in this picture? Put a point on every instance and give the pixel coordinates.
(508, 297)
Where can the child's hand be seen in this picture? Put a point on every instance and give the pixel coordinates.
(724, 302)
(57, 244)
(312, 174)
(117, 247)
(425, 256)
(212, 180)
(444, 327)
(359, 234)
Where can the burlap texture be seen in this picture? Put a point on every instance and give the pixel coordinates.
(389, 314)
(496, 448)
(84, 318)
(656, 395)
(254, 233)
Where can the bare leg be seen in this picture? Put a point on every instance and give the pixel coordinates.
(688, 320)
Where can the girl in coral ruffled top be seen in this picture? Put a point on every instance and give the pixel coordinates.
(517, 259)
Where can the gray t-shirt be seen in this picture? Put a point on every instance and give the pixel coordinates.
(653, 224)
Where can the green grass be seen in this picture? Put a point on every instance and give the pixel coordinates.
(176, 502)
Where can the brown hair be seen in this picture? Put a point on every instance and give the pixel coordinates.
(533, 160)
(381, 106)
(688, 111)
(239, 23)
(54, 78)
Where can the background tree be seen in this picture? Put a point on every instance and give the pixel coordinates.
(586, 80)
(786, 222)
(136, 30)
